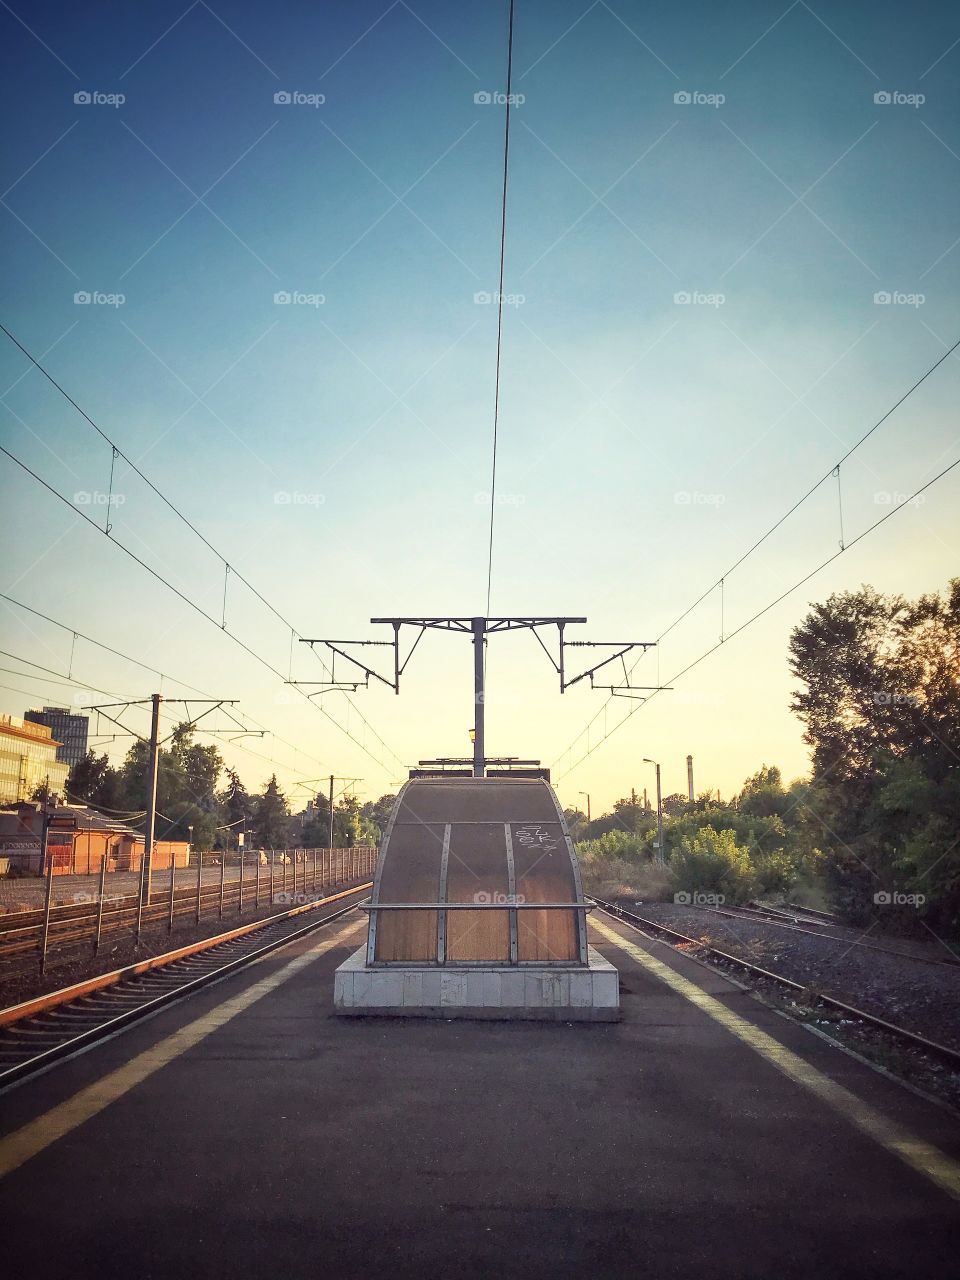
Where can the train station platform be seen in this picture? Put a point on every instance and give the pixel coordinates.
(250, 1132)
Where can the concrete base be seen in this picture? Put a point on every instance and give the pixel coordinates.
(547, 992)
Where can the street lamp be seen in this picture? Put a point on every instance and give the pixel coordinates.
(587, 794)
(660, 854)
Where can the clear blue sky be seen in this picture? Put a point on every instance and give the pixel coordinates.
(644, 443)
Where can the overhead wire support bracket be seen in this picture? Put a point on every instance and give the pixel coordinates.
(335, 648)
(478, 628)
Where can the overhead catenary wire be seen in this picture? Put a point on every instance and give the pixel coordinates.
(173, 720)
(73, 681)
(229, 568)
(209, 617)
(608, 733)
(503, 245)
(231, 713)
(720, 582)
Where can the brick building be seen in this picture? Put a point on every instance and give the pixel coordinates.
(82, 838)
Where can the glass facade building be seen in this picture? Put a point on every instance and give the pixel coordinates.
(28, 760)
(68, 729)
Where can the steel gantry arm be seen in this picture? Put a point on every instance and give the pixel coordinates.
(478, 629)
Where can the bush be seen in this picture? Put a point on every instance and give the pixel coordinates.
(712, 862)
(624, 845)
(617, 878)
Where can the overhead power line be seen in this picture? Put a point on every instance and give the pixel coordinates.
(720, 582)
(743, 626)
(72, 681)
(503, 245)
(227, 566)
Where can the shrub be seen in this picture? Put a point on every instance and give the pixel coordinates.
(712, 862)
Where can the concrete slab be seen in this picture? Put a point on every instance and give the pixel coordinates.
(542, 992)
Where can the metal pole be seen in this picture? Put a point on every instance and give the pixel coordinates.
(151, 819)
(330, 830)
(690, 778)
(478, 626)
(223, 872)
(47, 856)
(313, 882)
(240, 894)
(100, 896)
(273, 862)
(661, 856)
(173, 882)
(284, 872)
(199, 881)
(257, 899)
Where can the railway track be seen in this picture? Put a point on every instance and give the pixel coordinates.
(797, 923)
(941, 1051)
(93, 924)
(36, 1034)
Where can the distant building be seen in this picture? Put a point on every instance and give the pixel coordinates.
(79, 842)
(69, 729)
(28, 760)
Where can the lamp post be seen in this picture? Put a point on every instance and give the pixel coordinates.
(660, 854)
(587, 794)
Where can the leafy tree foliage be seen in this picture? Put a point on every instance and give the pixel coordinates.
(711, 861)
(880, 702)
(271, 817)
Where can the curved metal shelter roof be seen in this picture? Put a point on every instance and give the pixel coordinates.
(477, 871)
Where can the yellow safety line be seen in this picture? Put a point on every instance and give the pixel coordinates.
(48, 1128)
(919, 1155)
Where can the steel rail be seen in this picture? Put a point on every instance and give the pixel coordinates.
(794, 925)
(21, 939)
(59, 1002)
(640, 923)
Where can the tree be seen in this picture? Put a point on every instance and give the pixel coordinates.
(93, 781)
(377, 814)
(271, 817)
(880, 702)
(236, 810)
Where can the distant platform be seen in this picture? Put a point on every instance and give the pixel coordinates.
(584, 993)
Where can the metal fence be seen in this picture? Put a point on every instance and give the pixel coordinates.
(276, 877)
